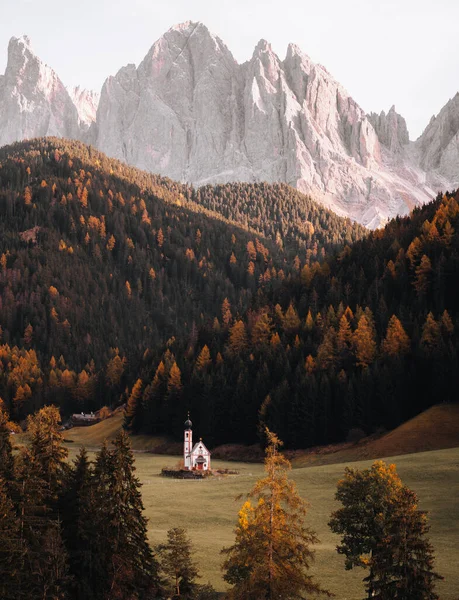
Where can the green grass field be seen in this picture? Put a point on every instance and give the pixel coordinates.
(207, 508)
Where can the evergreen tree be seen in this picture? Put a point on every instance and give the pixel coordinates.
(133, 412)
(130, 567)
(78, 525)
(403, 561)
(6, 449)
(10, 548)
(178, 564)
(271, 554)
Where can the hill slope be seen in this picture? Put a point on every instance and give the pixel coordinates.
(437, 428)
(367, 340)
(102, 263)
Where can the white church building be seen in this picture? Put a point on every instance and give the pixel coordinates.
(197, 456)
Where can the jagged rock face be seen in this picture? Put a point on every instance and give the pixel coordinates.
(438, 146)
(191, 112)
(391, 129)
(33, 100)
(176, 113)
(86, 103)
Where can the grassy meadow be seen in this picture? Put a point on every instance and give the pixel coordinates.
(208, 509)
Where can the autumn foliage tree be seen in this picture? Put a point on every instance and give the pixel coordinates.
(383, 531)
(272, 552)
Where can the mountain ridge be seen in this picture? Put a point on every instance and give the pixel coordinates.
(190, 111)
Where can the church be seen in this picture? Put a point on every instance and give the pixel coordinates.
(195, 457)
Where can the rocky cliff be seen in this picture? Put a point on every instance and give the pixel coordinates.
(33, 100)
(191, 112)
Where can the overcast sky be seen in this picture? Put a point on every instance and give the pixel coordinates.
(384, 52)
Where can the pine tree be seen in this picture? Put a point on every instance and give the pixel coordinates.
(226, 312)
(204, 361)
(326, 353)
(78, 521)
(178, 565)
(271, 554)
(291, 321)
(423, 276)
(10, 547)
(402, 563)
(261, 331)
(431, 335)
(134, 566)
(6, 449)
(129, 564)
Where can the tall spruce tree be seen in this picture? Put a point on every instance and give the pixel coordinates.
(78, 509)
(272, 552)
(126, 564)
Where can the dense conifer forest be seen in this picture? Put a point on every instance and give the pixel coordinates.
(102, 266)
(357, 343)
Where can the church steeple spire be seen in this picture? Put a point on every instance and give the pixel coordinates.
(187, 443)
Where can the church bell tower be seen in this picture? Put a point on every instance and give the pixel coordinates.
(187, 443)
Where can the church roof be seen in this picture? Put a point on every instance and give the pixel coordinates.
(200, 446)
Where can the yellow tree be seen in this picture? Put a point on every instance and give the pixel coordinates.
(396, 342)
(132, 406)
(344, 337)
(291, 321)
(272, 552)
(431, 335)
(261, 331)
(364, 343)
(226, 312)
(237, 338)
(423, 276)
(204, 359)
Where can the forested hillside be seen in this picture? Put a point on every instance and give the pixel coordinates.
(102, 265)
(364, 340)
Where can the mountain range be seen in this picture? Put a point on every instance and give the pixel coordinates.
(189, 111)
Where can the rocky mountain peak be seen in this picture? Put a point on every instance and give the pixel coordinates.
(438, 146)
(33, 100)
(191, 112)
(391, 129)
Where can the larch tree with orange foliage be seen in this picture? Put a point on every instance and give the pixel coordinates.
(272, 552)
(396, 342)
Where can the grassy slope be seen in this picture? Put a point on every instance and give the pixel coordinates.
(94, 435)
(435, 429)
(208, 510)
